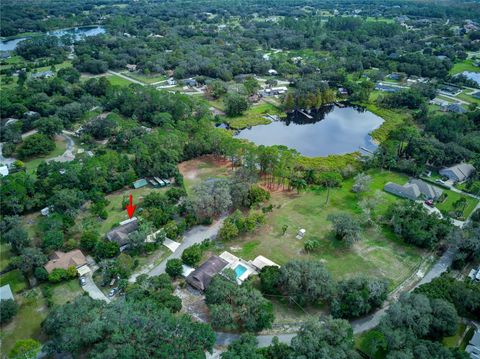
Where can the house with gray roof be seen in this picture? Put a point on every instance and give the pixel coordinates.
(6, 293)
(201, 277)
(120, 234)
(414, 189)
(473, 347)
(459, 172)
(456, 108)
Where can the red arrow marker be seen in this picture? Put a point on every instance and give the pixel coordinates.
(131, 208)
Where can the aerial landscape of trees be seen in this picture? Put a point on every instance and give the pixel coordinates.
(153, 105)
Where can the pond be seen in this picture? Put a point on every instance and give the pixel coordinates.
(77, 32)
(330, 130)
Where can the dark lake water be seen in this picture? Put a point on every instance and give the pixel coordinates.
(77, 32)
(332, 130)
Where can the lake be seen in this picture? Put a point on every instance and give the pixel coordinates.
(77, 32)
(332, 130)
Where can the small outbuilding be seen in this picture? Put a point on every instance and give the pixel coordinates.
(140, 183)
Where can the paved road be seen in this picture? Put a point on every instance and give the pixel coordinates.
(195, 235)
(91, 288)
(125, 77)
(68, 154)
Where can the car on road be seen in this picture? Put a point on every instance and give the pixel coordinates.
(112, 292)
(83, 281)
(438, 180)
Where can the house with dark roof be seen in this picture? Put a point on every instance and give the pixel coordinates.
(459, 172)
(456, 108)
(414, 189)
(120, 234)
(201, 277)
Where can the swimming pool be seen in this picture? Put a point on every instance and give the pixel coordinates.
(239, 270)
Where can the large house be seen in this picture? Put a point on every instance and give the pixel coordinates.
(458, 173)
(201, 277)
(120, 234)
(62, 260)
(414, 189)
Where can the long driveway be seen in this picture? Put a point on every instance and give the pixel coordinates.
(195, 235)
(125, 77)
(93, 291)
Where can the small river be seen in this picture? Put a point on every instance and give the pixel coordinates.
(77, 32)
(331, 131)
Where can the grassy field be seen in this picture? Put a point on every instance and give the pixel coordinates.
(5, 255)
(66, 292)
(466, 97)
(118, 81)
(116, 214)
(253, 116)
(16, 280)
(448, 205)
(379, 254)
(392, 118)
(454, 340)
(26, 324)
(201, 169)
(466, 65)
(60, 147)
(148, 79)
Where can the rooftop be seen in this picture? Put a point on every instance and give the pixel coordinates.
(6, 292)
(64, 260)
(201, 277)
(120, 234)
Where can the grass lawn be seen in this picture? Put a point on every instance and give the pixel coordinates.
(380, 253)
(60, 147)
(116, 214)
(118, 81)
(448, 205)
(453, 341)
(466, 65)
(16, 280)
(253, 116)
(148, 79)
(392, 118)
(361, 343)
(201, 169)
(466, 97)
(66, 291)
(62, 65)
(5, 255)
(26, 324)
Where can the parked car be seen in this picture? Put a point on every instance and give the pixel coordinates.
(440, 181)
(429, 202)
(112, 292)
(83, 281)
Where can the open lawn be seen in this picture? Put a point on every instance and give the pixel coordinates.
(253, 116)
(66, 291)
(62, 65)
(60, 147)
(26, 324)
(392, 118)
(380, 253)
(455, 340)
(466, 65)
(448, 206)
(5, 255)
(148, 79)
(16, 280)
(466, 97)
(118, 81)
(203, 168)
(115, 211)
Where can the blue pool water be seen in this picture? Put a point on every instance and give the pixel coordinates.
(239, 270)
